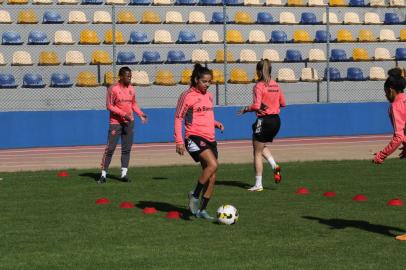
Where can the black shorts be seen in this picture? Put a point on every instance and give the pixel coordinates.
(196, 144)
(266, 128)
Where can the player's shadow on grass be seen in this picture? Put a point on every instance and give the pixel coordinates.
(239, 184)
(96, 176)
(165, 207)
(338, 223)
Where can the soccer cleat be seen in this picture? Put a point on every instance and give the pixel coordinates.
(204, 214)
(256, 188)
(125, 179)
(277, 176)
(101, 180)
(193, 203)
(401, 237)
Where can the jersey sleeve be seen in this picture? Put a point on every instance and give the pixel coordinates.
(110, 103)
(256, 99)
(180, 113)
(282, 101)
(134, 106)
(399, 131)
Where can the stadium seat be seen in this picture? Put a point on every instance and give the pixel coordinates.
(232, 2)
(197, 17)
(77, 17)
(387, 35)
(27, 17)
(116, 2)
(356, 3)
(234, 36)
(48, 58)
(138, 38)
(301, 36)
(239, 76)
(257, 36)
(89, 37)
(293, 56)
(7, 81)
(37, 38)
(360, 54)
(403, 35)
(242, 17)
(397, 3)
(372, 18)
(337, 3)
(109, 78)
(108, 38)
(33, 80)
(17, 2)
(351, 18)
(377, 3)
(164, 77)
(5, 17)
(63, 37)
(377, 74)
(52, 17)
(176, 57)
(286, 75)
(338, 55)
(287, 18)
(140, 2)
(391, 18)
(218, 76)
(21, 58)
(296, 3)
(68, 2)
(11, 38)
(220, 57)
(400, 54)
(273, 3)
(150, 17)
(187, 37)
(174, 17)
(248, 56)
(140, 78)
(316, 55)
(208, 2)
(218, 18)
(322, 36)
(60, 80)
(200, 56)
(271, 55)
(185, 76)
(309, 75)
(333, 19)
(92, 2)
(162, 36)
(162, 2)
(278, 36)
(382, 54)
(151, 57)
(252, 3)
(101, 16)
(74, 58)
(210, 36)
(87, 79)
(316, 3)
(42, 2)
(186, 2)
(126, 17)
(355, 74)
(100, 57)
(344, 35)
(334, 74)
(2, 61)
(308, 18)
(264, 18)
(366, 35)
(126, 58)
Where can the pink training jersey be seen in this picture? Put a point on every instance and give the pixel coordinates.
(121, 101)
(197, 110)
(267, 98)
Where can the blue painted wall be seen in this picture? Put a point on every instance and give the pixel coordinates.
(67, 128)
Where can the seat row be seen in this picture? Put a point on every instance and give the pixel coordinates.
(100, 57)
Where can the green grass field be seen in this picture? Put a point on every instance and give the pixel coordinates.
(48, 222)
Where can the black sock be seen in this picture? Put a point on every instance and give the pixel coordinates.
(198, 189)
(205, 201)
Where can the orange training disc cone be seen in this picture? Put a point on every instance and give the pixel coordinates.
(396, 202)
(102, 201)
(173, 215)
(329, 194)
(126, 205)
(149, 210)
(63, 174)
(302, 191)
(360, 198)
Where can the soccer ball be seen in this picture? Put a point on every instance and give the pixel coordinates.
(227, 214)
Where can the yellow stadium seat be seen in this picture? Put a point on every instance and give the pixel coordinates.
(74, 58)
(108, 39)
(87, 79)
(164, 77)
(27, 17)
(21, 58)
(239, 76)
(140, 78)
(234, 36)
(337, 3)
(218, 77)
(126, 17)
(366, 35)
(403, 35)
(360, 54)
(150, 17)
(101, 16)
(220, 57)
(89, 37)
(101, 57)
(301, 36)
(242, 17)
(185, 77)
(109, 78)
(344, 35)
(48, 58)
(17, 2)
(296, 3)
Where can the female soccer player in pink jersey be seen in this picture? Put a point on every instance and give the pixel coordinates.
(267, 100)
(195, 107)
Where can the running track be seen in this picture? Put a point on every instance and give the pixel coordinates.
(157, 154)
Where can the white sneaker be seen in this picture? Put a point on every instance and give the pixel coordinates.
(193, 203)
(256, 188)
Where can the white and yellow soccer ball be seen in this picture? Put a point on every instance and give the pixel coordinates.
(227, 214)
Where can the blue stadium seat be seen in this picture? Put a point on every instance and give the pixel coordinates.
(52, 17)
(232, 2)
(308, 18)
(338, 55)
(356, 3)
(218, 17)
(92, 2)
(187, 37)
(293, 56)
(60, 80)
(140, 2)
(322, 36)
(126, 58)
(278, 36)
(355, 74)
(151, 57)
(334, 74)
(186, 2)
(208, 2)
(11, 38)
(138, 38)
(391, 18)
(37, 38)
(264, 18)
(7, 81)
(400, 54)
(33, 80)
(176, 57)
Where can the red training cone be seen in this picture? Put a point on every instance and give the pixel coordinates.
(360, 198)
(302, 191)
(329, 194)
(173, 215)
(396, 202)
(149, 210)
(126, 205)
(102, 201)
(63, 174)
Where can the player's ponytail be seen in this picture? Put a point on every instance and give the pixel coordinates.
(198, 72)
(264, 70)
(396, 80)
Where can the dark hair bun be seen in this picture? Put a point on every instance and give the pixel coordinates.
(395, 72)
